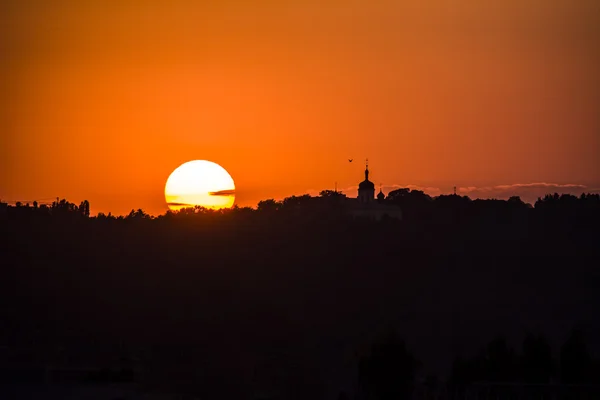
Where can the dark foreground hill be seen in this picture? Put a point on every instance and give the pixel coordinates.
(288, 298)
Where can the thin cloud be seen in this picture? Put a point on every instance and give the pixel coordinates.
(540, 185)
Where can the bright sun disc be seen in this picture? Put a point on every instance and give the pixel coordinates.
(200, 183)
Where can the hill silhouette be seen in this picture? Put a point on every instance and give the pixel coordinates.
(297, 299)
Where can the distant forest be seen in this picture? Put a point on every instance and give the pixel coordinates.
(297, 297)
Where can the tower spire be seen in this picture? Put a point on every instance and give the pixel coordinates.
(366, 169)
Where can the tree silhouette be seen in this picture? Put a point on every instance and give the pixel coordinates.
(138, 214)
(499, 361)
(331, 193)
(537, 365)
(63, 208)
(84, 208)
(496, 363)
(464, 371)
(268, 205)
(416, 205)
(575, 361)
(388, 371)
(342, 395)
(296, 202)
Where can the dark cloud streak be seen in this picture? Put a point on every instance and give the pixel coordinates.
(230, 192)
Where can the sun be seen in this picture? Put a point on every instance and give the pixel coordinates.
(200, 183)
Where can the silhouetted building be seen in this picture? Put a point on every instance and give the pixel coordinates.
(365, 205)
(366, 189)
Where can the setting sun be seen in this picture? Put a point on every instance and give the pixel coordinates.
(200, 183)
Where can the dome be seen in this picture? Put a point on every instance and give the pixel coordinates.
(366, 184)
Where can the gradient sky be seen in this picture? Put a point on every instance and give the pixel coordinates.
(102, 100)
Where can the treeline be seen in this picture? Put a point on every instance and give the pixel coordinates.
(389, 370)
(534, 364)
(423, 217)
(416, 205)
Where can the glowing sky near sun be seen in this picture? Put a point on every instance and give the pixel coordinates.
(102, 100)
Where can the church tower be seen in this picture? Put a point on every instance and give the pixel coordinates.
(366, 189)
(380, 195)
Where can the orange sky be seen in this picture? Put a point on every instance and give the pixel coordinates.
(103, 100)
